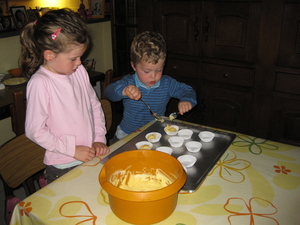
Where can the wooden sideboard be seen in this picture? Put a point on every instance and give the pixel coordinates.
(242, 58)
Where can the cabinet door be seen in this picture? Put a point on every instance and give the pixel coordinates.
(289, 50)
(230, 30)
(285, 120)
(227, 109)
(179, 23)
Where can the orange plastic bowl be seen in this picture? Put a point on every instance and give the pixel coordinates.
(16, 72)
(143, 207)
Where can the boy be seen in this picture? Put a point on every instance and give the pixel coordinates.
(148, 54)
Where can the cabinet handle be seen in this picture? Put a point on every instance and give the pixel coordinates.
(205, 29)
(225, 75)
(174, 67)
(196, 28)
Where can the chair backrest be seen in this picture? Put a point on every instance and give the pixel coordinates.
(106, 106)
(20, 158)
(109, 74)
(18, 111)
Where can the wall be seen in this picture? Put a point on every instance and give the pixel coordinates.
(72, 4)
(101, 52)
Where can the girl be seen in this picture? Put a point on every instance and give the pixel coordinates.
(63, 115)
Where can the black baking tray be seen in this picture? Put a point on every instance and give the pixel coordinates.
(207, 157)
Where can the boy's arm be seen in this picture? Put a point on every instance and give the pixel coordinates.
(114, 91)
(182, 91)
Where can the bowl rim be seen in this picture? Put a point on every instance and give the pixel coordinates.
(189, 156)
(157, 138)
(144, 142)
(176, 137)
(146, 195)
(197, 142)
(172, 133)
(206, 132)
(190, 132)
(166, 147)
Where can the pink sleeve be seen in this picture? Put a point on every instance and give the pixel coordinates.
(36, 117)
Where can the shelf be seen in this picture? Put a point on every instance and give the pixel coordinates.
(12, 33)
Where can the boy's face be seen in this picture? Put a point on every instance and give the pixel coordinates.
(148, 73)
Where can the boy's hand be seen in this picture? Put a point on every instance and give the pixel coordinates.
(101, 148)
(132, 92)
(184, 107)
(84, 153)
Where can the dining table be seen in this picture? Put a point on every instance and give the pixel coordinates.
(254, 182)
(6, 95)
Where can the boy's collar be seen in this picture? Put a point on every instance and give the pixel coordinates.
(138, 83)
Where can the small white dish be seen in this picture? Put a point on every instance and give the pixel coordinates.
(176, 141)
(145, 145)
(187, 160)
(193, 146)
(169, 132)
(185, 133)
(165, 149)
(153, 137)
(206, 136)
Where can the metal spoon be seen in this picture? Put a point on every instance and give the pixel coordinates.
(173, 116)
(157, 117)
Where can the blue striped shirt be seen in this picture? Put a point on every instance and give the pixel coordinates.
(136, 114)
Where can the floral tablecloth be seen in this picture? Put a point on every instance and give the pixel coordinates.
(255, 182)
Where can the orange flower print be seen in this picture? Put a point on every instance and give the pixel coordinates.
(253, 211)
(25, 210)
(281, 169)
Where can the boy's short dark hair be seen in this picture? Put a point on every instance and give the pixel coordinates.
(148, 46)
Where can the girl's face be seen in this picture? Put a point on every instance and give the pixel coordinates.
(148, 73)
(64, 63)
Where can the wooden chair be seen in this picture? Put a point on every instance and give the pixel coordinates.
(107, 80)
(17, 112)
(20, 161)
(106, 106)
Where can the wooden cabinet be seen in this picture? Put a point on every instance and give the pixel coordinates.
(230, 33)
(230, 30)
(227, 95)
(285, 123)
(242, 58)
(289, 51)
(285, 113)
(179, 23)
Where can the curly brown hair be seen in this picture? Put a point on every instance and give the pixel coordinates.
(148, 46)
(36, 37)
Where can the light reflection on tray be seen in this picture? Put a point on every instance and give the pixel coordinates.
(207, 157)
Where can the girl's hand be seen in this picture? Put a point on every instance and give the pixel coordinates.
(184, 107)
(132, 92)
(84, 153)
(100, 148)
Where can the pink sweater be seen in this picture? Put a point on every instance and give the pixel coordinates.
(62, 112)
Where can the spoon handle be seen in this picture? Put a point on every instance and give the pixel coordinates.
(145, 103)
